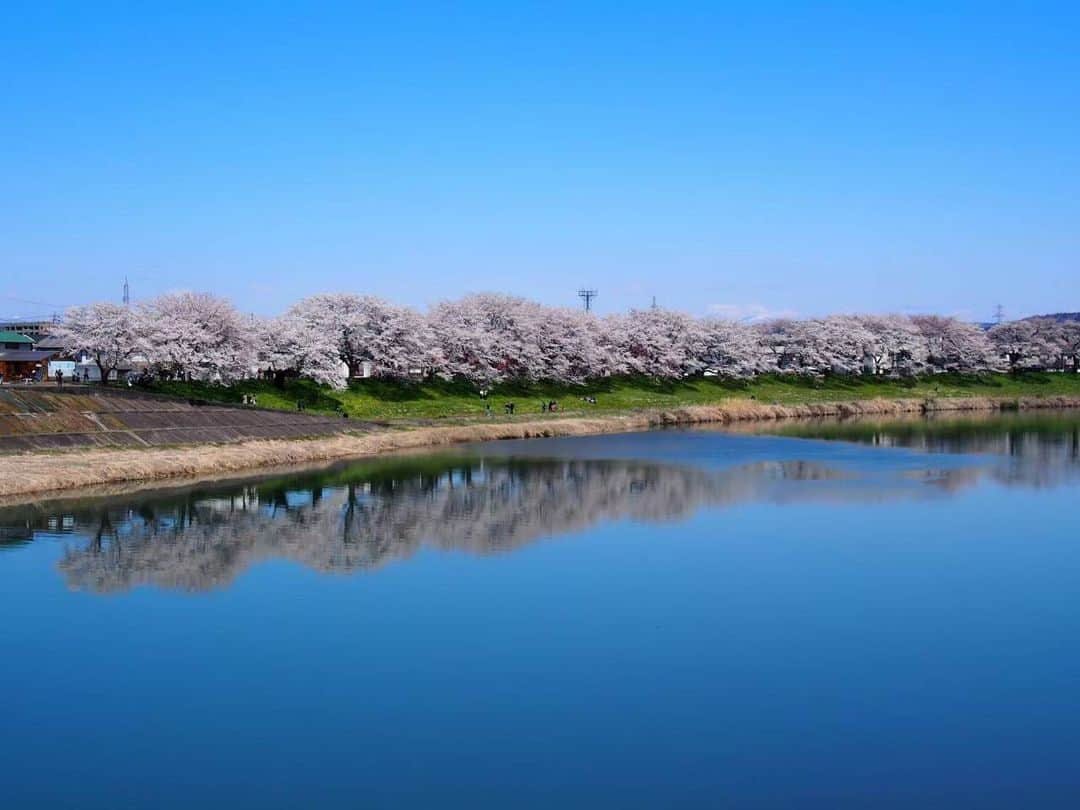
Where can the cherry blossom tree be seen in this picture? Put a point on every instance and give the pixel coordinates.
(840, 344)
(1023, 344)
(487, 338)
(1059, 341)
(893, 344)
(955, 345)
(336, 314)
(490, 338)
(109, 333)
(1067, 343)
(569, 345)
(365, 329)
(819, 346)
(290, 346)
(393, 339)
(658, 343)
(197, 336)
(781, 343)
(731, 349)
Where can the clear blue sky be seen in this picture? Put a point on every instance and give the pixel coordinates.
(803, 158)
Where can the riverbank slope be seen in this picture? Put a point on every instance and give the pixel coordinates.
(380, 399)
(25, 475)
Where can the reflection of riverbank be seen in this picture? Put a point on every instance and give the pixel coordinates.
(354, 519)
(1041, 449)
(24, 475)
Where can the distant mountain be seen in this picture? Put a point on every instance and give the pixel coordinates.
(1058, 316)
(1054, 316)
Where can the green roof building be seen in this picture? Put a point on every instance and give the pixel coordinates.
(15, 340)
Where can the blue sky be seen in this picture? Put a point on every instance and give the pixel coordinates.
(744, 157)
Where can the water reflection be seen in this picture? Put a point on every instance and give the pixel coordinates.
(361, 516)
(202, 539)
(1043, 448)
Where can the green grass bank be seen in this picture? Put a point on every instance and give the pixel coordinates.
(387, 400)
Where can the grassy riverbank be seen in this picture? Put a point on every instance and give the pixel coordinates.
(378, 399)
(27, 474)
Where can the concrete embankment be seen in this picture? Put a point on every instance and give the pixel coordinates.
(84, 418)
(27, 474)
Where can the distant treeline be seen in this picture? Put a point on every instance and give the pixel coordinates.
(492, 338)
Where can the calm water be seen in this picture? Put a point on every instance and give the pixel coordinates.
(861, 614)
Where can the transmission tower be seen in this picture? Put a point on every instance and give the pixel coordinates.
(999, 313)
(587, 296)
(127, 293)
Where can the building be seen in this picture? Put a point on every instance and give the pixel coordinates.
(50, 344)
(35, 330)
(20, 359)
(24, 364)
(10, 339)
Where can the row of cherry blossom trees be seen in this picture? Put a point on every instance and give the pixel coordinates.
(192, 336)
(492, 338)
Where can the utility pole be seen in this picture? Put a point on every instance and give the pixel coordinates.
(127, 293)
(587, 296)
(999, 313)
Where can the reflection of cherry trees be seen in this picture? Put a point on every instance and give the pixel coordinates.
(205, 538)
(197, 543)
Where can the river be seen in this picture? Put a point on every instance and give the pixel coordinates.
(832, 614)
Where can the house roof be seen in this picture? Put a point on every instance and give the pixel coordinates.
(50, 343)
(24, 356)
(14, 337)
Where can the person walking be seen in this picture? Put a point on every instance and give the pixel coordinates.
(59, 378)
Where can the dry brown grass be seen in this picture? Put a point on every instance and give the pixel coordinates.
(31, 473)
